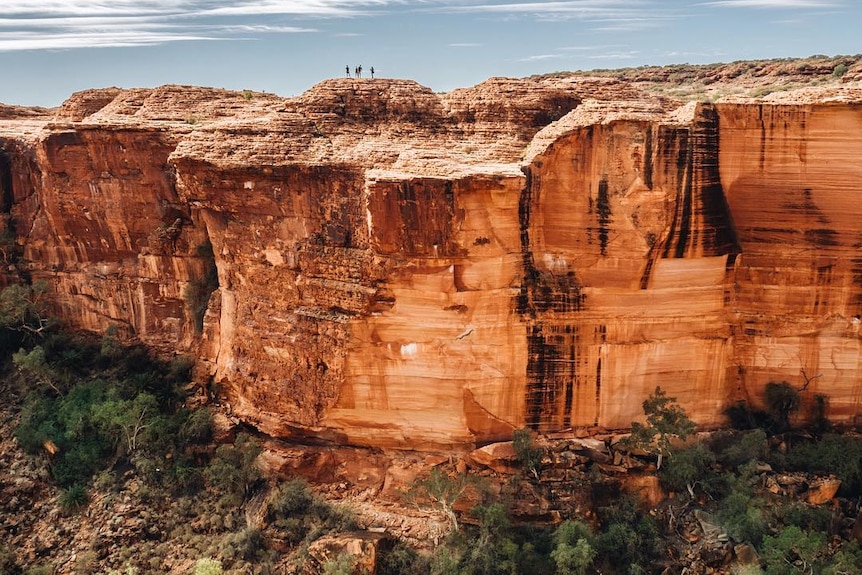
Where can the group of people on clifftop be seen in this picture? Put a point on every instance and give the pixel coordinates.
(357, 71)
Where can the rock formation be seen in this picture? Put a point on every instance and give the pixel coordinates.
(372, 263)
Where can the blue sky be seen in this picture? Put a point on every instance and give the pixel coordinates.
(51, 48)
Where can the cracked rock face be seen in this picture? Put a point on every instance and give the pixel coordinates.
(373, 263)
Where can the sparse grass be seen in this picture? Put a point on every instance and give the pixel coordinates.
(74, 498)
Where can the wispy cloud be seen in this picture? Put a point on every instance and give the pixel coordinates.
(464, 45)
(68, 24)
(626, 55)
(600, 15)
(629, 24)
(588, 48)
(540, 57)
(773, 3)
(688, 54)
(572, 8)
(189, 7)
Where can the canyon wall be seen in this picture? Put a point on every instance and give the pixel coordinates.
(373, 263)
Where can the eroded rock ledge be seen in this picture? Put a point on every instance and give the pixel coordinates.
(400, 268)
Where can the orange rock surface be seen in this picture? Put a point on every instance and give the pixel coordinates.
(401, 268)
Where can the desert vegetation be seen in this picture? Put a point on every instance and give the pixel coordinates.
(118, 437)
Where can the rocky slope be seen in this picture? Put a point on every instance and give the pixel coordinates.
(401, 268)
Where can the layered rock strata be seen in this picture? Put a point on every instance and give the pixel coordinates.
(373, 263)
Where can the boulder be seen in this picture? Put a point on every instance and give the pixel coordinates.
(822, 490)
(500, 457)
(363, 548)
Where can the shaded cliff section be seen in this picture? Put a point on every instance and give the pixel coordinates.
(791, 175)
(96, 216)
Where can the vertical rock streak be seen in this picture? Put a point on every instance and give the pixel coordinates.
(702, 223)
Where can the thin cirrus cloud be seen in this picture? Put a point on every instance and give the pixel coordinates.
(69, 24)
(599, 15)
(773, 4)
(540, 57)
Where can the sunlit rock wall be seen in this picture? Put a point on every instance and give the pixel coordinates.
(405, 269)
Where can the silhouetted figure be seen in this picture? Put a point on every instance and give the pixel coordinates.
(347, 70)
(359, 71)
(372, 72)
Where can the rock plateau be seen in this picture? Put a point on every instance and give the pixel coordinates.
(400, 268)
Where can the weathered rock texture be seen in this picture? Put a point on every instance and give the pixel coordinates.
(405, 269)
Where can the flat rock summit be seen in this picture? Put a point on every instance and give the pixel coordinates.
(374, 263)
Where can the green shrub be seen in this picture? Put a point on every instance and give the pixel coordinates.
(794, 551)
(445, 561)
(106, 481)
(838, 454)
(734, 450)
(805, 516)
(35, 365)
(839, 70)
(37, 424)
(401, 559)
(23, 310)
(665, 421)
(493, 550)
(127, 420)
(441, 490)
(207, 566)
(291, 498)
(686, 467)
(847, 559)
(341, 565)
(629, 539)
(184, 475)
(528, 455)
(73, 498)
(8, 561)
(232, 471)
(300, 515)
(247, 544)
(573, 553)
(743, 518)
(573, 559)
(99, 409)
(77, 462)
(197, 426)
(334, 517)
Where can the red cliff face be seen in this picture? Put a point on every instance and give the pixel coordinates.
(373, 263)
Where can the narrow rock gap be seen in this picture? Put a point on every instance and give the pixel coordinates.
(7, 197)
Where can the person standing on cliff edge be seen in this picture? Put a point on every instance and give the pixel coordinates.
(347, 70)
(372, 72)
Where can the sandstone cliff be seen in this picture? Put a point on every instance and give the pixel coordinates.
(374, 263)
